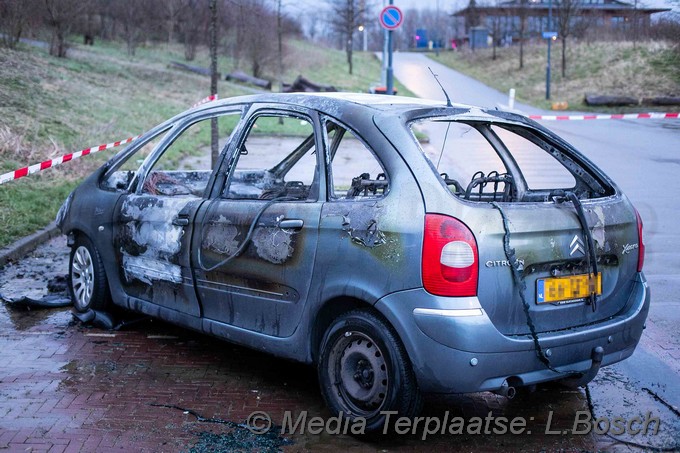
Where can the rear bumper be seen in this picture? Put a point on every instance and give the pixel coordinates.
(455, 348)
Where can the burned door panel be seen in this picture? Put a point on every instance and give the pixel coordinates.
(255, 246)
(155, 224)
(152, 250)
(263, 285)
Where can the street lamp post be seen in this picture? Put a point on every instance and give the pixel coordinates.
(362, 29)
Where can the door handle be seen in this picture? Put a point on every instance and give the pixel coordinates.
(180, 221)
(291, 223)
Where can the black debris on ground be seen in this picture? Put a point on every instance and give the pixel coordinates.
(241, 439)
(57, 284)
(29, 303)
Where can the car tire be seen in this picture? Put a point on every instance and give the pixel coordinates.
(364, 371)
(87, 281)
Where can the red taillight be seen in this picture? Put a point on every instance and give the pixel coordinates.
(641, 244)
(450, 257)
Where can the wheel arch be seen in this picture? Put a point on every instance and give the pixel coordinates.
(73, 235)
(331, 310)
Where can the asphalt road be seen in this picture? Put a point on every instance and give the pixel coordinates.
(643, 158)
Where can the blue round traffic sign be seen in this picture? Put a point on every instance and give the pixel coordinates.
(391, 17)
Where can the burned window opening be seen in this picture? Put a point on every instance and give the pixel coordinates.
(350, 165)
(499, 174)
(586, 185)
(270, 135)
(124, 167)
(185, 164)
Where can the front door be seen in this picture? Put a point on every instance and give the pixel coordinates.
(255, 242)
(155, 221)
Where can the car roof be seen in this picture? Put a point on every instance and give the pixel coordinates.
(321, 100)
(332, 101)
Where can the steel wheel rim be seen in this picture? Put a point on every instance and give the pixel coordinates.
(82, 277)
(359, 372)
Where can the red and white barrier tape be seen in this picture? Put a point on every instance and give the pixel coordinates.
(212, 97)
(20, 173)
(25, 171)
(622, 116)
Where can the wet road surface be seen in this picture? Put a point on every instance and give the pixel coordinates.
(69, 387)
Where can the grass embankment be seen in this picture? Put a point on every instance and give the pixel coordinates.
(330, 67)
(50, 107)
(606, 68)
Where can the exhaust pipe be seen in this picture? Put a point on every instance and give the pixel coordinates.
(506, 390)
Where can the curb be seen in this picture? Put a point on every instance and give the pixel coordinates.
(27, 244)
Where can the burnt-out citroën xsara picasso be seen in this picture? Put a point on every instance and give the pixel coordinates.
(402, 246)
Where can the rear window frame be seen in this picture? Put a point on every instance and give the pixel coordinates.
(590, 182)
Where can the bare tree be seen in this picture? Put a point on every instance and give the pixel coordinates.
(106, 28)
(523, 15)
(279, 35)
(415, 19)
(345, 18)
(668, 28)
(193, 27)
(14, 18)
(171, 12)
(237, 16)
(61, 15)
(496, 23)
(472, 17)
(636, 23)
(567, 12)
(255, 42)
(312, 20)
(130, 15)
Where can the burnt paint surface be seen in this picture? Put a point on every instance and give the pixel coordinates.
(153, 252)
(360, 222)
(264, 289)
(541, 236)
(371, 246)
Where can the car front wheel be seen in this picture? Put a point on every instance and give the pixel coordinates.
(364, 371)
(87, 280)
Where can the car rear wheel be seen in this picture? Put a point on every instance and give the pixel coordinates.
(364, 370)
(87, 280)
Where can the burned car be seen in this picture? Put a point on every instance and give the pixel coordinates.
(403, 246)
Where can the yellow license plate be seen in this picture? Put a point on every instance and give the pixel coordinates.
(571, 288)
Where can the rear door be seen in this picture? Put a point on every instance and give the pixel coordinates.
(255, 241)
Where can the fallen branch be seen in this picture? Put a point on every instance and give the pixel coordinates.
(242, 77)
